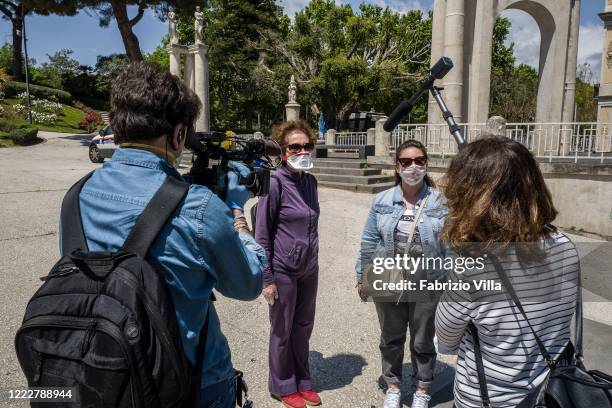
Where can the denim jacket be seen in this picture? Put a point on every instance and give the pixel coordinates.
(377, 239)
(198, 250)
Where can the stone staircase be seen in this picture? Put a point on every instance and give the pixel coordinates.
(105, 117)
(352, 175)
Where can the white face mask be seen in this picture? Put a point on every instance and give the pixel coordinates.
(413, 175)
(178, 159)
(302, 161)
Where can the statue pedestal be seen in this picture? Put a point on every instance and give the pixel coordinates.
(292, 110)
(201, 80)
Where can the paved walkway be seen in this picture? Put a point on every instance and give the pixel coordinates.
(345, 360)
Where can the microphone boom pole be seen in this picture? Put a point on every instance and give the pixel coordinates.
(438, 71)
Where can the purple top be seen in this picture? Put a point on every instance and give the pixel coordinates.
(289, 234)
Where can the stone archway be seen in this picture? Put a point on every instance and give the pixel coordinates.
(463, 30)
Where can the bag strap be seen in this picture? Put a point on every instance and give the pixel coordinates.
(413, 226)
(579, 319)
(482, 379)
(73, 237)
(155, 216)
(502, 274)
(200, 356)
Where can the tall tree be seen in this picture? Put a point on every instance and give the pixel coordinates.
(514, 89)
(346, 60)
(107, 10)
(14, 11)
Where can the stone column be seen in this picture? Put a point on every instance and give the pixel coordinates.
(330, 137)
(480, 67)
(189, 71)
(604, 115)
(572, 61)
(175, 59)
(382, 139)
(371, 137)
(437, 51)
(454, 49)
(292, 110)
(200, 52)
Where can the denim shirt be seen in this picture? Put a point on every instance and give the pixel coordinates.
(198, 250)
(388, 207)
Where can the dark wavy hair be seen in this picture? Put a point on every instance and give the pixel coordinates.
(422, 148)
(496, 195)
(148, 102)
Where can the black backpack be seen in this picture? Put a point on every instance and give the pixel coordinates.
(254, 207)
(104, 324)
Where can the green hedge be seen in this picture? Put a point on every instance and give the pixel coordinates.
(12, 89)
(24, 136)
(19, 134)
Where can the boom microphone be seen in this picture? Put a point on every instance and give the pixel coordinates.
(438, 71)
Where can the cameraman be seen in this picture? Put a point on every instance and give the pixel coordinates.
(204, 246)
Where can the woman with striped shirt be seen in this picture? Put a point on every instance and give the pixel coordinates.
(497, 197)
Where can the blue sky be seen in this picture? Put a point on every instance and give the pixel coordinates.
(81, 33)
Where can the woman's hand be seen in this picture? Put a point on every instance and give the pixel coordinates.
(361, 292)
(270, 293)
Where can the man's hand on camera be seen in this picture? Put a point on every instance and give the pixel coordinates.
(237, 194)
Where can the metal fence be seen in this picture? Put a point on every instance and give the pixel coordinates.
(575, 141)
(351, 138)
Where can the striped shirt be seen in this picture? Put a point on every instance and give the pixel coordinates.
(512, 361)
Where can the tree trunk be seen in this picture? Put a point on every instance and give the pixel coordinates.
(130, 41)
(18, 45)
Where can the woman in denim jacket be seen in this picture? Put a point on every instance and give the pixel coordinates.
(391, 221)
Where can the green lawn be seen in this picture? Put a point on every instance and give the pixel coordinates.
(66, 124)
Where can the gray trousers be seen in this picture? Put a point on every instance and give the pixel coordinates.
(395, 320)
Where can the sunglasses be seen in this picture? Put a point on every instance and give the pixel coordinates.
(296, 147)
(407, 162)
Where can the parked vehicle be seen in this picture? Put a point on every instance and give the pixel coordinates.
(102, 146)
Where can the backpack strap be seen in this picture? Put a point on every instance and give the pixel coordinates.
(73, 237)
(155, 216)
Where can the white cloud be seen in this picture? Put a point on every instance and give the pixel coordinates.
(590, 46)
(525, 34)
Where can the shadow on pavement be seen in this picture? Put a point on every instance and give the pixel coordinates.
(337, 371)
(441, 389)
(85, 139)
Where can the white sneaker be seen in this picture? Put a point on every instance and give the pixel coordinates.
(393, 398)
(420, 400)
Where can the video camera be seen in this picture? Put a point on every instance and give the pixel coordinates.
(256, 154)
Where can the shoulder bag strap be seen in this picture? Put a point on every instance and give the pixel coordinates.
(155, 215)
(73, 237)
(502, 274)
(482, 379)
(412, 229)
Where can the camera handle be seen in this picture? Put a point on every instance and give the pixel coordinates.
(447, 115)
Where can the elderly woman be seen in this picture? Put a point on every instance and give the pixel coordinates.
(405, 220)
(287, 228)
(497, 197)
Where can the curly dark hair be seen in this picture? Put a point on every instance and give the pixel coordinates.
(148, 102)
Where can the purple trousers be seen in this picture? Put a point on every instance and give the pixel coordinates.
(291, 321)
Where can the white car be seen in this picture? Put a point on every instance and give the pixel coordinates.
(102, 146)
